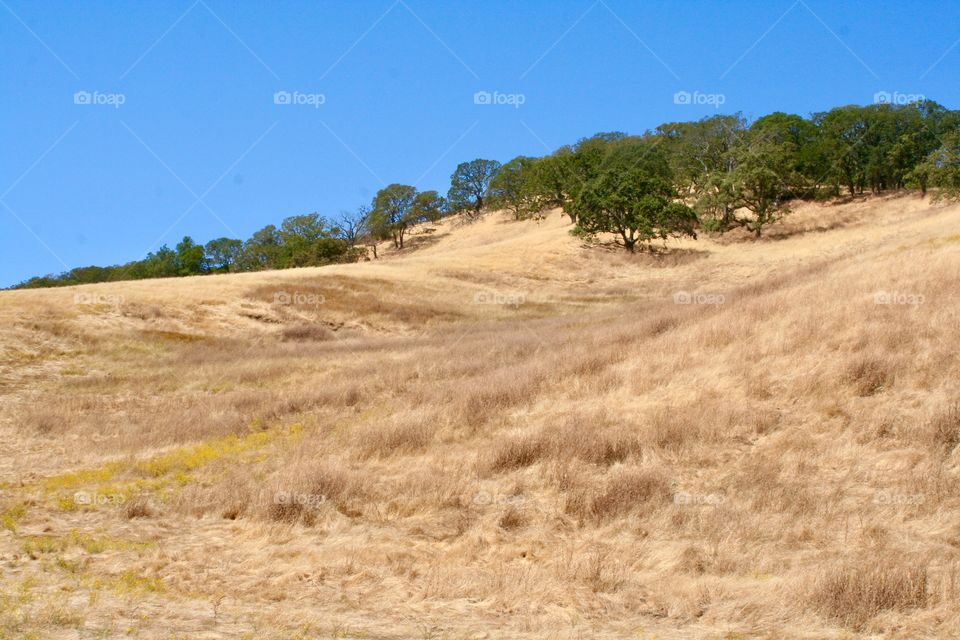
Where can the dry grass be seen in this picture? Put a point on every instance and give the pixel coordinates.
(624, 491)
(596, 461)
(311, 332)
(943, 430)
(853, 593)
(592, 438)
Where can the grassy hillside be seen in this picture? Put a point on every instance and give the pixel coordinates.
(501, 433)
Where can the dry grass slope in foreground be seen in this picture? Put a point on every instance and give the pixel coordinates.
(504, 434)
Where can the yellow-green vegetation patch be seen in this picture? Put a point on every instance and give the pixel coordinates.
(72, 370)
(130, 583)
(82, 477)
(17, 356)
(220, 387)
(189, 458)
(76, 566)
(117, 494)
(307, 631)
(34, 545)
(24, 613)
(110, 484)
(10, 516)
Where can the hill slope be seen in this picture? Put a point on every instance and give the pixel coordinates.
(501, 432)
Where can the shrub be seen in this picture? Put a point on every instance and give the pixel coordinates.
(856, 591)
(943, 431)
(307, 333)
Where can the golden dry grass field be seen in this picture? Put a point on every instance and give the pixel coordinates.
(502, 433)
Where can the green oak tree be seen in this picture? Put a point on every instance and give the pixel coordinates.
(633, 197)
(470, 185)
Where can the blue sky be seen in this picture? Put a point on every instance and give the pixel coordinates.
(178, 131)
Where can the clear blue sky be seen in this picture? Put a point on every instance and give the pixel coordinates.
(85, 184)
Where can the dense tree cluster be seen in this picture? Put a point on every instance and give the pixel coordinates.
(714, 174)
(301, 241)
(732, 173)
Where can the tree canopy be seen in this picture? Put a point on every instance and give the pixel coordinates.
(470, 184)
(717, 174)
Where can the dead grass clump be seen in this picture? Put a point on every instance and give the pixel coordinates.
(868, 375)
(140, 506)
(44, 421)
(673, 428)
(512, 518)
(589, 438)
(502, 390)
(141, 311)
(943, 431)
(693, 560)
(855, 592)
(406, 435)
(174, 336)
(308, 488)
(660, 325)
(602, 571)
(517, 452)
(307, 333)
(625, 490)
(594, 438)
(588, 364)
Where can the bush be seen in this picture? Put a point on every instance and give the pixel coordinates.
(855, 592)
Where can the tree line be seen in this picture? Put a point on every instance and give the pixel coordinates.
(713, 175)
